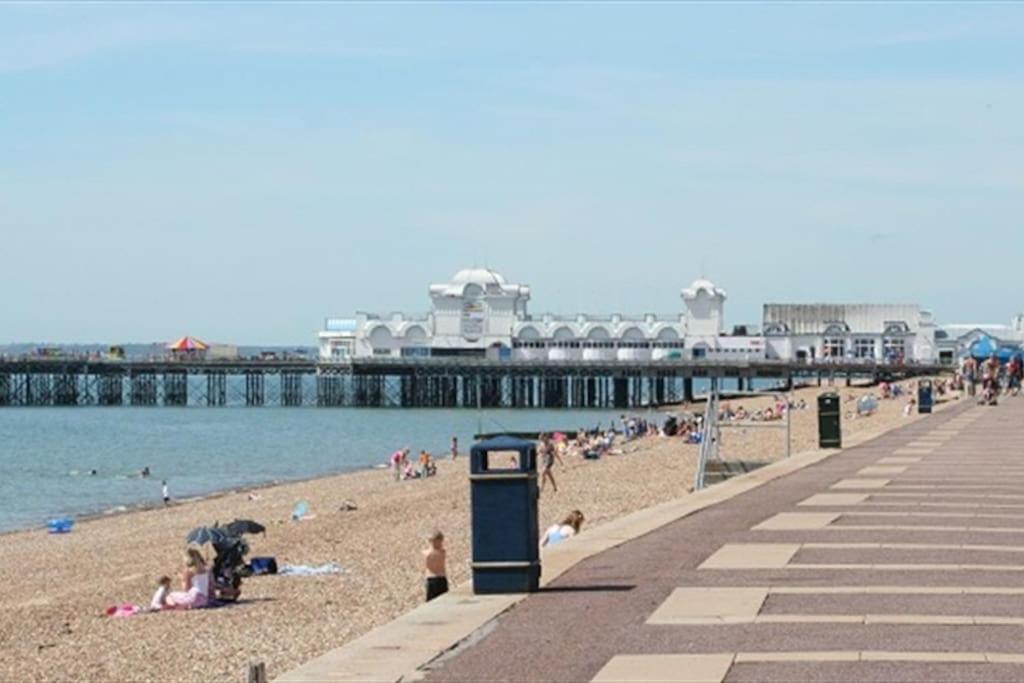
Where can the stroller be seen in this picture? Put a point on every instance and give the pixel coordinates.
(229, 567)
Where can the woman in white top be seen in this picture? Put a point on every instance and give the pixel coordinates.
(195, 583)
(569, 527)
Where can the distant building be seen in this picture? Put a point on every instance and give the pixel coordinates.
(956, 340)
(479, 313)
(870, 332)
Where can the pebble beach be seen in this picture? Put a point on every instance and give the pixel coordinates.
(55, 588)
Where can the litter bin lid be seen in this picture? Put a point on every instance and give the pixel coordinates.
(478, 453)
(502, 443)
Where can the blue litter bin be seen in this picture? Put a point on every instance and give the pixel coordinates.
(924, 396)
(503, 501)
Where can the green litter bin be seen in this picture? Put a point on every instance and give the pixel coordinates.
(829, 428)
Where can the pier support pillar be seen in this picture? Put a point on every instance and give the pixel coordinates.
(254, 388)
(291, 389)
(175, 389)
(688, 389)
(142, 388)
(110, 390)
(620, 392)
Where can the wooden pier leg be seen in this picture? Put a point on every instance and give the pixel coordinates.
(688, 389)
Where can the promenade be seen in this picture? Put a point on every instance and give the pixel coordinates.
(901, 559)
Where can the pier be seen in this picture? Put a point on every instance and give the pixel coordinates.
(402, 383)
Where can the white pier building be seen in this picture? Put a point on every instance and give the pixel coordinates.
(479, 313)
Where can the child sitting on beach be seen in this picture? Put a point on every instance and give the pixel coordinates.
(159, 600)
(435, 560)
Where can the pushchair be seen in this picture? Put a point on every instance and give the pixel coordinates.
(229, 567)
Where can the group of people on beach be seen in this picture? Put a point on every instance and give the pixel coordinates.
(993, 376)
(402, 467)
(776, 411)
(196, 590)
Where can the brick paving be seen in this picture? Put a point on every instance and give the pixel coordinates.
(911, 570)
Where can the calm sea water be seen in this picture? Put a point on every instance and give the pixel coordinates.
(46, 453)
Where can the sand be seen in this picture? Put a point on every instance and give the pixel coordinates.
(53, 589)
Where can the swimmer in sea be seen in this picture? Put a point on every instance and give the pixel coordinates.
(93, 473)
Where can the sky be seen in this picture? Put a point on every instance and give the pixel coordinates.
(239, 171)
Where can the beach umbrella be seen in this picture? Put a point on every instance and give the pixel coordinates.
(187, 344)
(245, 526)
(1005, 353)
(983, 348)
(202, 535)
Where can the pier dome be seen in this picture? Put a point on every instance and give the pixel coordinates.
(703, 285)
(477, 276)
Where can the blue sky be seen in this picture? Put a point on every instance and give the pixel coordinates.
(239, 171)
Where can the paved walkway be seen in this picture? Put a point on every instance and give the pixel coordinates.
(898, 560)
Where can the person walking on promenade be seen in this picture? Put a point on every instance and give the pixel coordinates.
(1013, 376)
(970, 373)
(992, 369)
(435, 565)
(547, 453)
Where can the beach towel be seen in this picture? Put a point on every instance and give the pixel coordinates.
(125, 610)
(309, 570)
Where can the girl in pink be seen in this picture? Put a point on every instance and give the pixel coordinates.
(195, 582)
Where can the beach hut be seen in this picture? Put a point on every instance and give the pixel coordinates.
(187, 347)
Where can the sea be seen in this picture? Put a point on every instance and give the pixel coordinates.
(46, 454)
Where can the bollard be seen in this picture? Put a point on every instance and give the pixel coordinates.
(257, 673)
(503, 501)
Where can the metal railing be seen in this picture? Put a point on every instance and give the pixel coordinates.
(710, 445)
(709, 435)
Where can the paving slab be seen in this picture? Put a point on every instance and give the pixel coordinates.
(751, 556)
(798, 521)
(860, 483)
(881, 470)
(710, 605)
(830, 499)
(665, 669)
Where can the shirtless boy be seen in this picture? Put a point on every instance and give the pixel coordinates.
(434, 562)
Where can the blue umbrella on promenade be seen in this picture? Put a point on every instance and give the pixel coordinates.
(983, 348)
(1006, 353)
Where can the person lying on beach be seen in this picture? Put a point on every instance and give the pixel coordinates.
(569, 527)
(195, 584)
(435, 561)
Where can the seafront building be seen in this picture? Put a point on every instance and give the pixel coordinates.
(868, 332)
(478, 313)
